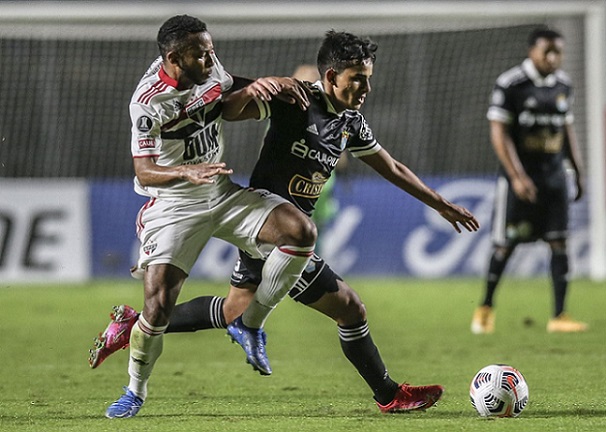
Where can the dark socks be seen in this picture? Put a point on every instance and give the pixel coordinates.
(559, 276)
(360, 350)
(198, 314)
(495, 270)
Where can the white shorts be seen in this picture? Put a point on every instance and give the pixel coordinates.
(175, 232)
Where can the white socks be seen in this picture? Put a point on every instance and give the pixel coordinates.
(282, 269)
(146, 344)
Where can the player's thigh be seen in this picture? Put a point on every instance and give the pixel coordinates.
(554, 215)
(287, 225)
(174, 233)
(240, 218)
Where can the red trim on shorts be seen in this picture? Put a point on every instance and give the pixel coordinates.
(139, 223)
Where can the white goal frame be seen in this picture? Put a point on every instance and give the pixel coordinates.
(230, 19)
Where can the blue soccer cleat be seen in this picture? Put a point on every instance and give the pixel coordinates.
(127, 406)
(253, 343)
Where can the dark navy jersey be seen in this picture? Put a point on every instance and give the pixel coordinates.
(536, 109)
(302, 148)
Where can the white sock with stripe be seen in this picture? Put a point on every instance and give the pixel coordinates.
(282, 269)
(146, 342)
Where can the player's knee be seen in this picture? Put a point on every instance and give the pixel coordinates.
(308, 233)
(558, 247)
(302, 232)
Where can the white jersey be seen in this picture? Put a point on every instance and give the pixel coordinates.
(179, 127)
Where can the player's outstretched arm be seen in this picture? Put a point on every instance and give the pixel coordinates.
(401, 176)
(239, 104)
(150, 173)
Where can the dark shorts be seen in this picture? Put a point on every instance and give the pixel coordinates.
(317, 279)
(515, 221)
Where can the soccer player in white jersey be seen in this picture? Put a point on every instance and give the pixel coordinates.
(177, 145)
(300, 152)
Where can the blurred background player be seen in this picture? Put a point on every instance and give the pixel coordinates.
(177, 146)
(300, 151)
(531, 129)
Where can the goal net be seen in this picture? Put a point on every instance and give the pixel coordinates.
(69, 69)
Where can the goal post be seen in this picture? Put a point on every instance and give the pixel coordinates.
(296, 27)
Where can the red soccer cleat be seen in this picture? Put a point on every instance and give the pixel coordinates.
(410, 398)
(115, 337)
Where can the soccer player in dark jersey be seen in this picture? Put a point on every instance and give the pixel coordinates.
(531, 128)
(300, 151)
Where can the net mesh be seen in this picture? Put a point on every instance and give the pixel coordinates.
(64, 110)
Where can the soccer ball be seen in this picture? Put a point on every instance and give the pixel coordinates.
(498, 391)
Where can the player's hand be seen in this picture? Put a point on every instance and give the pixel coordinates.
(204, 173)
(459, 215)
(524, 188)
(263, 88)
(293, 91)
(580, 188)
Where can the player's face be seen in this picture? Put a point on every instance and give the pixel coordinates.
(547, 55)
(195, 60)
(351, 86)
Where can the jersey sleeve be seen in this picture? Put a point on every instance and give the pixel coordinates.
(500, 105)
(364, 142)
(145, 141)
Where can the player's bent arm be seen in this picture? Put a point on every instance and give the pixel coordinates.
(401, 176)
(149, 173)
(505, 150)
(240, 105)
(574, 155)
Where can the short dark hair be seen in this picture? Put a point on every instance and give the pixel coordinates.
(543, 33)
(174, 32)
(341, 50)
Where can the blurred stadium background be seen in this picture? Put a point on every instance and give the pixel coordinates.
(69, 68)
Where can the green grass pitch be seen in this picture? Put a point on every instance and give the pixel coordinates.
(201, 382)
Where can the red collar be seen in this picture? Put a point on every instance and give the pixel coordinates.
(166, 79)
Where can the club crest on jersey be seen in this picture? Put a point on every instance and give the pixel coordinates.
(144, 124)
(562, 103)
(344, 139)
(150, 247)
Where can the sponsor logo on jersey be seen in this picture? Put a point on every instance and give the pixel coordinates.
(301, 150)
(529, 119)
(144, 124)
(146, 143)
(307, 188)
(204, 99)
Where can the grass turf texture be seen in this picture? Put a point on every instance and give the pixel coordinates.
(201, 382)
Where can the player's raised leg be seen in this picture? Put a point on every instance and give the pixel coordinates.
(294, 235)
